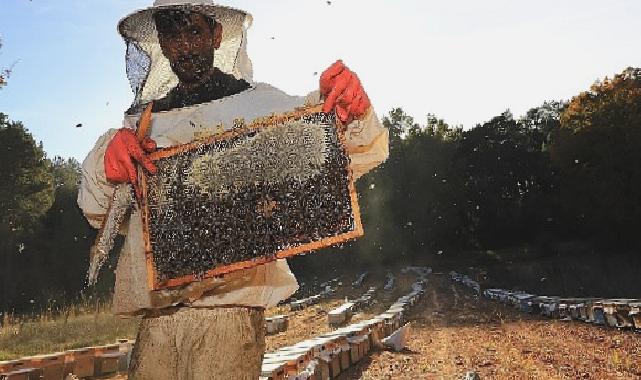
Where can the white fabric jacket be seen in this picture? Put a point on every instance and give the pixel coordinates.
(262, 286)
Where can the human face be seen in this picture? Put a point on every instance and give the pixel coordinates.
(188, 40)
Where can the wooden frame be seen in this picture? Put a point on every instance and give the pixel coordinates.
(155, 284)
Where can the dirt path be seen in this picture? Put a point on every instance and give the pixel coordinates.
(454, 332)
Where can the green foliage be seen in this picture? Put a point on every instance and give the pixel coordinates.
(26, 193)
(66, 236)
(596, 152)
(44, 238)
(508, 178)
(26, 188)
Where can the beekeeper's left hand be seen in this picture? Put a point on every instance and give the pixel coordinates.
(343, 92)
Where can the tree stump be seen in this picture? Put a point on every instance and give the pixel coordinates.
(199, 344)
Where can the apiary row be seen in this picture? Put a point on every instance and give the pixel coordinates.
(328, 290)
(465, 281)
(328, 355)
(86, 362)
(344, 312)
(365, 300)
(619, 313)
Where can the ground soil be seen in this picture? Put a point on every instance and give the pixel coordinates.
(454, 331)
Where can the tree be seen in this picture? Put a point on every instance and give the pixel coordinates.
(66, 236)
(597, 152)
(413, 203)
(508, 178)
(26, 192)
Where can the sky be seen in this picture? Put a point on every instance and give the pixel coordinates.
(462, 60)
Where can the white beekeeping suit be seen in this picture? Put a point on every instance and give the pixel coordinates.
(152, 78)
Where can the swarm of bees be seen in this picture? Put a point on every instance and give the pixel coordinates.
(272, 188)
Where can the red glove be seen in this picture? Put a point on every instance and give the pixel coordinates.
(123, 149)
(343, 92)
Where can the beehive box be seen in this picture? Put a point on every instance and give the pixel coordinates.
(22, 374)
(108, 363)
(584, 314)
(10, 365)
(293, 359)
(549, 306)
(332, 362)
(635, 314)
(52, 366)
(83, 362)
(345, 356)
(341, 314)
(617, 313)
(6, 366)
(575, 309)
(323, 367)
(597, 315)
(357, 348)
(272, 325)
(609, 312)
(313, 371)
(273, 371)
(366, 345)
(278, 187)
(14, 365)
(126, 347)
(567, 307)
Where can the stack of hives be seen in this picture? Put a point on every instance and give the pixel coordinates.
(341, 314)
(276, 324)
(326, 356)
(619, 313)
(344, 312)
(86, 362)
(365, 300)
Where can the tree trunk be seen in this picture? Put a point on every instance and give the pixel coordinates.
(199, 344)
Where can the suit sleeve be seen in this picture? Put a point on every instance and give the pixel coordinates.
(95, 191)
(367, 140)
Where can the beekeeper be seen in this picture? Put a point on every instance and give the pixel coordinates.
(190, 59)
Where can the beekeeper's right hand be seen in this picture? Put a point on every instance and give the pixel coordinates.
(122, 151)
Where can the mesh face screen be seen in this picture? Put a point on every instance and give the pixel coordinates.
(152, 73)
(248, 197)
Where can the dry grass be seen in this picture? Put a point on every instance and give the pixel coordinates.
(74, 327)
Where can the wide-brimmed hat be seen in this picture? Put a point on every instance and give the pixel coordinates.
(149, 71)
(134, 26)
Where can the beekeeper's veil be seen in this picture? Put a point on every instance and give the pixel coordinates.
(150, 73)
